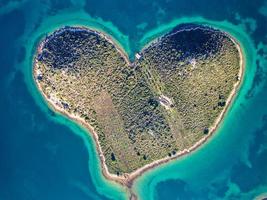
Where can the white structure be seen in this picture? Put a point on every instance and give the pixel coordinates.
(138, 56)
(193, 62)
(165, 101)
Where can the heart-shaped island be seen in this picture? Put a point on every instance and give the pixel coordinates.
(147, 112)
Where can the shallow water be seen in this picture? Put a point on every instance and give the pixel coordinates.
(45, 156)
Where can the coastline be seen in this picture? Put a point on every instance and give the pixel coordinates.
(128, 179)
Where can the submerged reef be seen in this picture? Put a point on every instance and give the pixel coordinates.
(163, 103)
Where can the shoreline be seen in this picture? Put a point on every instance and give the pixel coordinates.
(127, 180)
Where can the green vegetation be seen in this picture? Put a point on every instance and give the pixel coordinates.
(163, 103)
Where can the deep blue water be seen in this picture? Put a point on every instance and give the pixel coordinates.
(43, 159)
(39, 159)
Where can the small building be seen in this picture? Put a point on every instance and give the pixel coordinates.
(193, 62)
(137, 56)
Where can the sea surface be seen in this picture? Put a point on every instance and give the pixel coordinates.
(44, 156)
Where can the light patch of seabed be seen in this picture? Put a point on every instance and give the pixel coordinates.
(10, 6)
(220, 149)
(263, 9)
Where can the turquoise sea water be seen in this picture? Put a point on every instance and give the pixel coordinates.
(45, 156)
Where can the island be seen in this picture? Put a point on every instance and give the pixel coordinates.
(146, 112)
